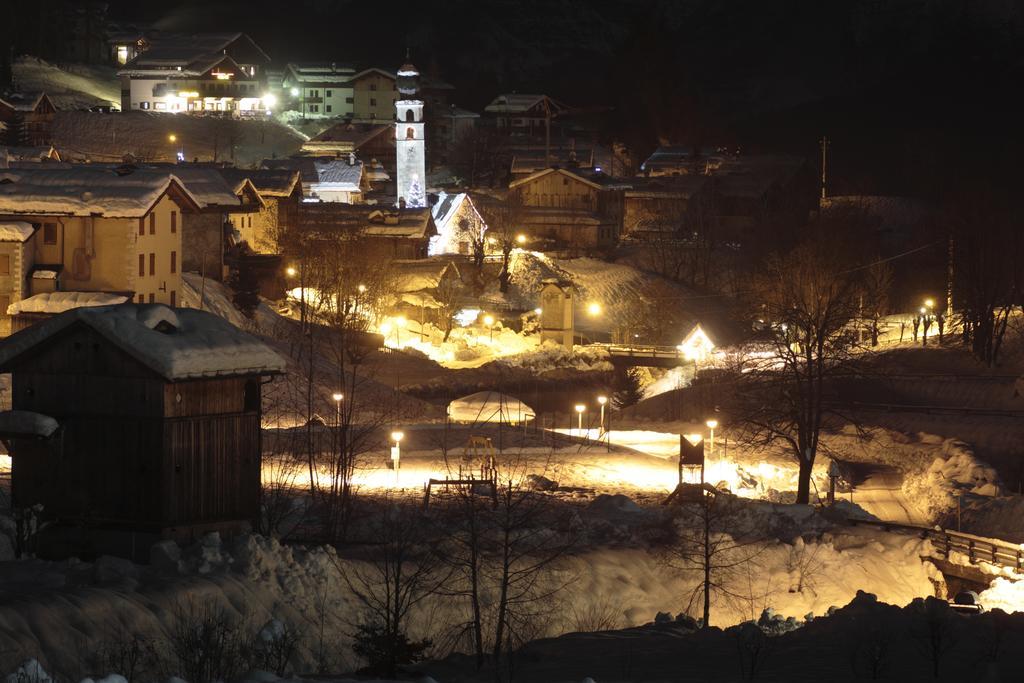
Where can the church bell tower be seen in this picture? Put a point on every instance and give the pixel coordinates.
(410, 154)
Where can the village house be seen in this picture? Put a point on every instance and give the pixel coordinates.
(370, 141)
(320, 90)
(210, 72)
(95, 231)
(459, 225)
(326, 179)
(421, 287)
(279, 193)
(663, 207)
(523, 115)
(135, 423)
(26, 119)
(569, 207)
(390, 234)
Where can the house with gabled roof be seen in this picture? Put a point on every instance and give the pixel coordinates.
(570, 207)
(523, 114)
(26, 118)
(320, 89)
(130, 424)
(212, 72)
(96, 230)
(278, 193)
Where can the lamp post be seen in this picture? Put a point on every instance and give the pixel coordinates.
(489, 322)
(579, 418)
(521, 239)
(337, 396)
(602, 400)
(712, 423)
(926, 319)
(396, 451)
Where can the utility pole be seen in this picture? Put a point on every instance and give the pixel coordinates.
(824, 166)
(949, 280)
(547, 132)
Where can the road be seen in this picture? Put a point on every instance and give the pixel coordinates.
(879, 490)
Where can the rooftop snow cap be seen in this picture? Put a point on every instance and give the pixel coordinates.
(177, 344)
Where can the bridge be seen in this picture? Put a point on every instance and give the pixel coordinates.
(639, 355)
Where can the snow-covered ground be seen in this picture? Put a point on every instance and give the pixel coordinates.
(78, 86)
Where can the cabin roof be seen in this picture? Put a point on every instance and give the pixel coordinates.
(268, 182)
(86, 191)
(177, 344)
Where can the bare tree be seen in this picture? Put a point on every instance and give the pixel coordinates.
(701, 542)
(875, 300)
(807, 299)
(447, 295)
(402, 571)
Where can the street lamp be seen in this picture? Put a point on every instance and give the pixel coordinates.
(337, 396)
(602, 400)
(712, 423)
(594, 308)
(172, 138)
(521, 238)
(396, 451)
(290, 271)
(489, 322)
(579, 412)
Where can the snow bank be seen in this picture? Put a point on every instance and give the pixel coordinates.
(489, 406)
(58, 302)
(953, 470)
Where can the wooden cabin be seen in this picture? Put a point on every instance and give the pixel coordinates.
(135, 423)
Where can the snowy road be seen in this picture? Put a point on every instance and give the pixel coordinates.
(879, 490)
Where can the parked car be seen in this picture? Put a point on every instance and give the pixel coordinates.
(966, 602)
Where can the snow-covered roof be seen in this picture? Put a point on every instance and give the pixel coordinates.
(178, 344)
(595, 180)
(682, 186)
(268, 182)
(369, 220)
(15, 231)
(33, 153)
(25, 423)
(86, 191)
(206, 185)
(340, 173)
(355, 134)
(321, 72)
(460, 113)
(195, 53)
(516, 103)
(421, 274)
(489, 406)
(58, 302)
(25, 102)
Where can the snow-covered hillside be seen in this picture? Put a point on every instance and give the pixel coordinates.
(77, 86)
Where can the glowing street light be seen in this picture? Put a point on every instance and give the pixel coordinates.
(269, 101)
(602, 400)
(489, 322)
(594, 308)
(396, 451)
(362, 289)
(579, 412)
(712, 423)
(295, 92)
(694, 439)
(290, 271)
(521, 238)
(337, 396)
(172, 138)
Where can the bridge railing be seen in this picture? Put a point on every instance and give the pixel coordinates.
(976, 548)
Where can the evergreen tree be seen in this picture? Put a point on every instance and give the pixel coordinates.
(628, 389)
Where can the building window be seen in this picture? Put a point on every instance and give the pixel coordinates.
(142, 226)
(49, 233)
(142, 298)
(174, 262)
(152, 298)
(144, 105)
(152, 224)
(348, 100)
(327, 108)
(5, 267)
(373, 101)
(174, 298)
(142, 264)
(316, 93)
(174, 221)
(410, 134)
(152, 264)
(328, 93)
(373, 86)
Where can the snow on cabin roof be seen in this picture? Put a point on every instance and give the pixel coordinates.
(58, 302)
(25, 101)
(206, 185)
(357, 134)
(515, 103)
(15, 231)
(85, 191)
(25, 423)
(268, 182)
(168, 51)
(421, 274)
(321, 72)
(369, 220)
(339, 172)
(178, 343)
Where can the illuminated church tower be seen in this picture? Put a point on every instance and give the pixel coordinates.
(410, 177)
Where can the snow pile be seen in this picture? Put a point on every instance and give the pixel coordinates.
(953, 470)
(58, 302)
(467, 347)
(26, 422)
(552, 356)
(15, 231)
(1004, 593)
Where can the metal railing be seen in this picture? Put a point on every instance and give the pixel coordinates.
(976, 548)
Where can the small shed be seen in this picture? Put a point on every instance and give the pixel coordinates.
(152, 419)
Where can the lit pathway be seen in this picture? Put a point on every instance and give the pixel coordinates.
(879, 490)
